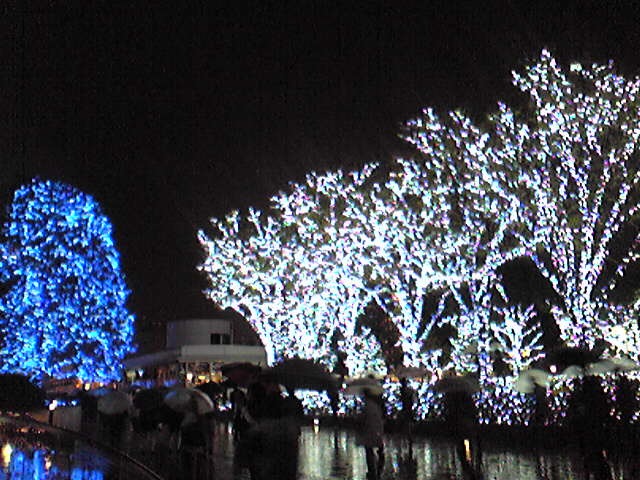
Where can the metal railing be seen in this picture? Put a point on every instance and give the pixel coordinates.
(30, 449)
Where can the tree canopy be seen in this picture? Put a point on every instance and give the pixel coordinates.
(556, 183)
(64, 312)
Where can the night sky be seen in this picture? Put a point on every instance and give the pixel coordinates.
(169, 116)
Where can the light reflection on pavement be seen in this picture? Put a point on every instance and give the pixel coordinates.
(332, 454)
(324, 453)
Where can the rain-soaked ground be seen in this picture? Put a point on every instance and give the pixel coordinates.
(332, 454)
(324, 453)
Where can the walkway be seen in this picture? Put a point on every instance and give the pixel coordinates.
(327, 453)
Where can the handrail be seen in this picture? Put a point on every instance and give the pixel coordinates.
(87, 440)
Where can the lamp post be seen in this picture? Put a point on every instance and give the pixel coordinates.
(52, 408)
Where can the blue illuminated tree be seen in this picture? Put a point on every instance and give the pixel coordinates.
(64, 312)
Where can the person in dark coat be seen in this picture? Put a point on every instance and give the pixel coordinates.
(407, 400)
(589, 416)
(371, 432)
(238, 406)
(461, 417)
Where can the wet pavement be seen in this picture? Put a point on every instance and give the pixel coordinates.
(332, 454)
(324, 453)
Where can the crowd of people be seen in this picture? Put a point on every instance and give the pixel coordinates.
(266, 425)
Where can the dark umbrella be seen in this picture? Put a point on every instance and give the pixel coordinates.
(564, 357)
(465, 383)
(240, 373)
(148, 399)
(18, 394)
(303, 374)
(212, 389)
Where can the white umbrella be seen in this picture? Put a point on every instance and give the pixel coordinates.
(573, 371)
(612, 365)
(605, 365)
(624, 364)
(114, 402)
(528, 380)
(359, 386)
(185, 400)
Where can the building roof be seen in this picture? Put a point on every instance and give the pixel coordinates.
(200, 353)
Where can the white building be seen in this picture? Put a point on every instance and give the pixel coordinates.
(196, 349)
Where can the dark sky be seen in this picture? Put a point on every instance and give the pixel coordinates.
(169, 116)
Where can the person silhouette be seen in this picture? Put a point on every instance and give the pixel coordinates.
(461, 417)
(371, 433)
(407, 400)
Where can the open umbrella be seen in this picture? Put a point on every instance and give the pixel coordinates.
(148, 399)
(359, 386)
(457, 383)
(114, 402)
(303, 374)
(564, 357)
(184, 400)
(412, 372)
(240, 373)
(613, 365)
(624, 364)
(528, 380)
(210, 388)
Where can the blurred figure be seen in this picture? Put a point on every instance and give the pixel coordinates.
(597, 466)
(589, 416)
(193, 442)
(113, 427)
(461, 418)
(371, 433)
(238, 405)
(541, 411)
(292, 410)
(341, 370)
(89, 410)
(407, 400)
(269, 449)
(626, 400)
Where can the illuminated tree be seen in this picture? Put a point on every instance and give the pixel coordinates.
(445, 221)
(296, 274)
(581, 168)
(517, 336)
(64, 313)
(557, 182)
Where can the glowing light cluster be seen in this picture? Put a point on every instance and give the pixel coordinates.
(558, 184)
(64, 313)
(582, 182)
(296, 274)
